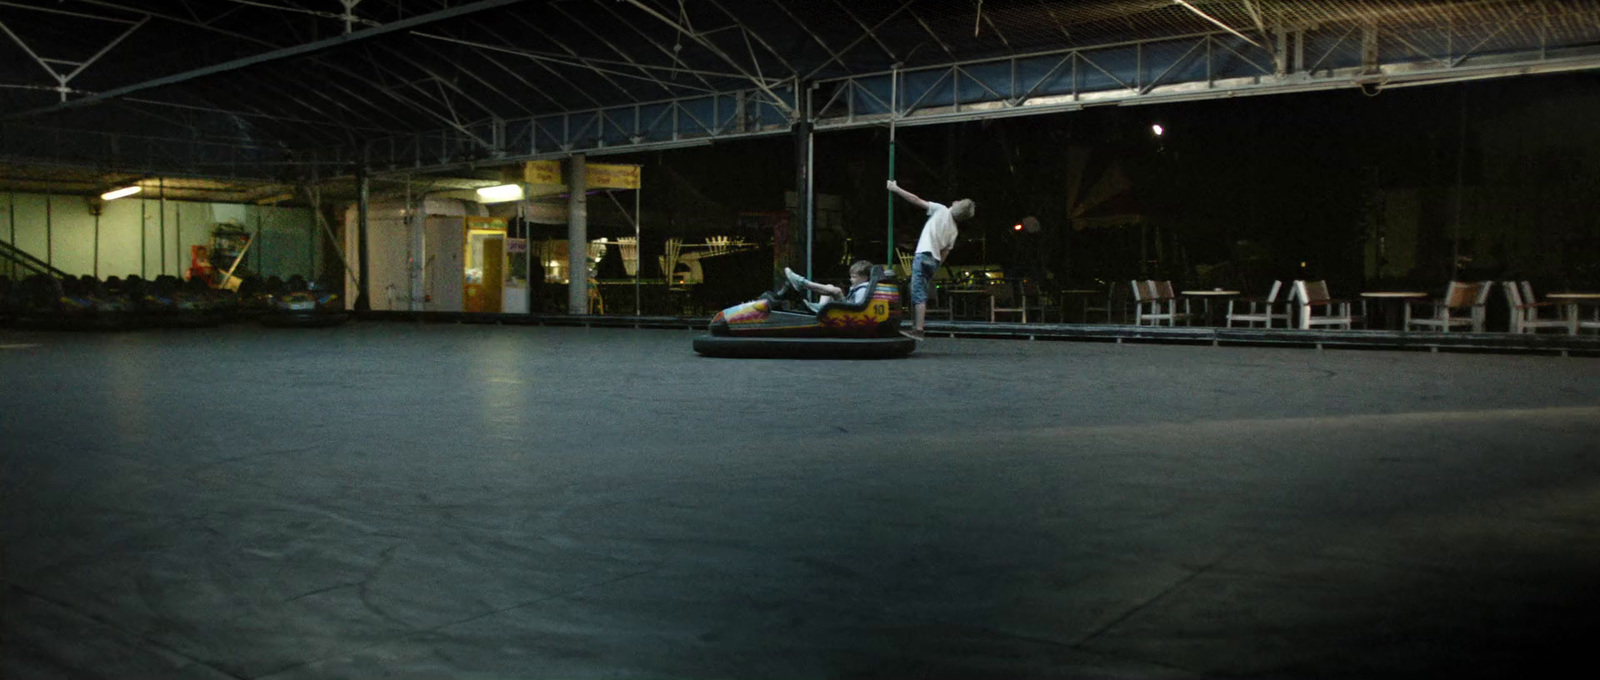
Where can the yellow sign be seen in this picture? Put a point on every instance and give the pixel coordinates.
(596, 175)
(542, 172)
(603, 176)
(486, 223)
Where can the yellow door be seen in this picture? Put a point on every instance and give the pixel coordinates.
(494, 274)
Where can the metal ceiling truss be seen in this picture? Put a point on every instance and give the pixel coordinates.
(1206, 65)
(614, 129)
(347, 92)
(636, 89)
(140, 154)
(1201, 66)
(279, 54)
(50, 64)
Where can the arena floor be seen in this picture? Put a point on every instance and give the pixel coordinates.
(469, 501)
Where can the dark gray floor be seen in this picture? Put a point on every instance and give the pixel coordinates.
(491, 502)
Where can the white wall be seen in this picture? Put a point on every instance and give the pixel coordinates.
(392, 242)
(135, 234)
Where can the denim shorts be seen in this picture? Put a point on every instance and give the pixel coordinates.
(923, 267)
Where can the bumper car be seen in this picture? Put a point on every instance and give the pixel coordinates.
(43, 301)
(308, 308)
(837, 330)
(167, 301)
(88, 304)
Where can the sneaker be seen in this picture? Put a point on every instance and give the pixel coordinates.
(796, 281)
(915, 334)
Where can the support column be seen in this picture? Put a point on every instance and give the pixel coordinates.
(799, 229)
(161, 185)
(416, 229)
(1280, 52)
(1369, 48)
(363, 302)
(49, 232)
(577, 235)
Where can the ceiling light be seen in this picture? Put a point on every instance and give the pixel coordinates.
(115, 194)
(500, 194)
(1157, 129)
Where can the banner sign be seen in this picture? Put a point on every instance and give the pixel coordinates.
(603, 176)
(542, 172)
(597, 175)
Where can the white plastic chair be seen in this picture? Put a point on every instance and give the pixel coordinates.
(1260, 309)
(1150, 306)
(1313, 296)
(1525, 317)
(1462, 305)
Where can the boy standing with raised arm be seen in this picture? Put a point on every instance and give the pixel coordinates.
(933, 246)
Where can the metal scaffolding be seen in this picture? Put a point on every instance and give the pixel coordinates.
(289, 86)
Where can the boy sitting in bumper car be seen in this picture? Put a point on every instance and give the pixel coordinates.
(870, 308)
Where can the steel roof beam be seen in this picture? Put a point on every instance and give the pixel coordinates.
(283, 92)
(608, 43)
(793, 72)
(588, 62)
(473, 74)
(674, 56)
(997, 33)
(574, 55)
(317, 92)
(936, 39)
(584, 92)
(206, 26)
(868, 33)
(442, 83)
(275, 55)
(62, 81)
(1213, 20)
(334, 16)
(80, 15)
(489, 56)
(250, 114)
(871, 32)
(1045, 4)
(802, 26)
(454, 121)
(717, 51)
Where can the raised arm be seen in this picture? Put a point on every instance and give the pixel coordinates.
(895, 187)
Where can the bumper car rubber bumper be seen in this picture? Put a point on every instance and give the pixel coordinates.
(804, 348)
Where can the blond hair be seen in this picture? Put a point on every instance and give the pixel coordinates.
(963, 209)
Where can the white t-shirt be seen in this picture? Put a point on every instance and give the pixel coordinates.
(939, 232)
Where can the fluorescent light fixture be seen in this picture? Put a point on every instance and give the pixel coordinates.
(115, 194)
(500, 194)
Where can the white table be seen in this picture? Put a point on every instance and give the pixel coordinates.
(1206, 295)
(1571, 300)
(1404, 296)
